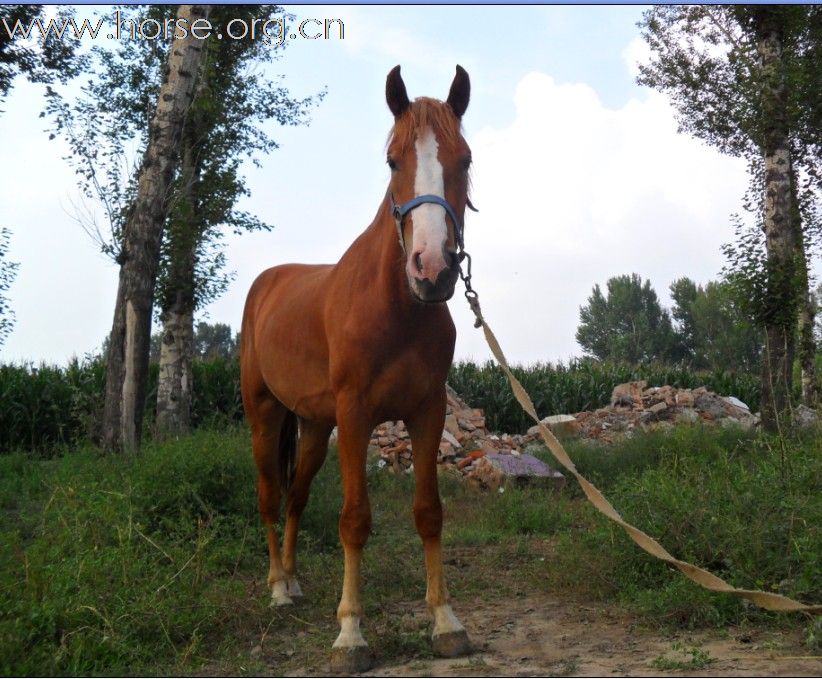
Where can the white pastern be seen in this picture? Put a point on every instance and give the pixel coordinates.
(293, 588)
(279, 594)
(445, 621)
(350, 635)
(430, 228)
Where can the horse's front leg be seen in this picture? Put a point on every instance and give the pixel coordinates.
(350, 652)
(449, 637)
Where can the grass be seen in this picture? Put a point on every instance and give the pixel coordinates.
(683, 658)
(155, 564)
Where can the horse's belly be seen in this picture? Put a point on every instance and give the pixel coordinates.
(299, 380)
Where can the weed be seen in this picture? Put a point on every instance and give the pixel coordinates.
(684, 658)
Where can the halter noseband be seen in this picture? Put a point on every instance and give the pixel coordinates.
(399, 212)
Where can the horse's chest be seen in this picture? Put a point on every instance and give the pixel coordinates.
(392, 386)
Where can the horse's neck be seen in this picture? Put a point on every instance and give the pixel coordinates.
(375, 262)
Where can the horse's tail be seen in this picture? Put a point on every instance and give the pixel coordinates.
(287, 458)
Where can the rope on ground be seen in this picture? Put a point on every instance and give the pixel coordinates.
(767, 600)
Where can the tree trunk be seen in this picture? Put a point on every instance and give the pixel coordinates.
(177, 290)
(780, 312)
(807, 351)
(807, 311)
(175, 379)
(127, 368)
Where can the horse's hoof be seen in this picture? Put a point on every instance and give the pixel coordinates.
(281, 600)
(350, 659)
(293, 588)
(280, 594)
(451, 644)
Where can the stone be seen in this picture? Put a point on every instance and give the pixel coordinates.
(684, 398)
(487, 475)
(627, 394)
(451, 425)
(446, 449)
(489, 446)
(450, 438)
(658, 408)
(709, 403)
(470, 459)
(734, 401)
(689, 416)
(523, 468)
(565, 425)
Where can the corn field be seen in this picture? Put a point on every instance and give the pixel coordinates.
(47, 408)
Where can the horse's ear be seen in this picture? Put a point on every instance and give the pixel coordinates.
(395, 93)
(460, 92)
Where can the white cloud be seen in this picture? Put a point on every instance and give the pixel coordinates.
(572, 193)
(369, 36)
(635, 53)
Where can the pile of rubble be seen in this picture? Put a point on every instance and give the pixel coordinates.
(636, 406)
(469, 450)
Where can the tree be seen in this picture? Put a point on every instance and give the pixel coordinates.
(739, 79)
(684, 292)
(211, 341)
(628, 324)
(713, 327)
(25, 50)
(127, 364)
(215, 341)
(223, 126)
(8, 272)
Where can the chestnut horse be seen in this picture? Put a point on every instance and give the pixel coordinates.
(357, 343)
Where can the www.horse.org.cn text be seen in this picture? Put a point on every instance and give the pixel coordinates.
(272, 31)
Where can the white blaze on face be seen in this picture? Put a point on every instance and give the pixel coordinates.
(430, 227)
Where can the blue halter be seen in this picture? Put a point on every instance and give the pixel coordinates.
(399, 212)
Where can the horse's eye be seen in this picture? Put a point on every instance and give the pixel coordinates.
(466, 163)
(391, 163)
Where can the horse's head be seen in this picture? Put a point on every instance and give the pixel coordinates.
(429, 161)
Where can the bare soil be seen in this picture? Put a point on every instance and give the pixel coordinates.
(545, 636)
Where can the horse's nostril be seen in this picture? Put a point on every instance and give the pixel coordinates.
(453, 260)
(418, 262)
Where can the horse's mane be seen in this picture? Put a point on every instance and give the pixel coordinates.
(425, 112)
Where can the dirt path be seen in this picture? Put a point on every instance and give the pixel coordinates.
(542, 636)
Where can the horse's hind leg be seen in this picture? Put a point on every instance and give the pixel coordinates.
(449, 637)
(267, 417)
(312, 449)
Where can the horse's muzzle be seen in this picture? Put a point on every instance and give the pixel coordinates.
(440, 290)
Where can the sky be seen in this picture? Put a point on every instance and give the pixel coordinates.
(579, 175)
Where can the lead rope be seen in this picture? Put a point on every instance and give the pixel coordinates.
(767, 600)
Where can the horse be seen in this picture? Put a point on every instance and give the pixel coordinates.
(357, 343)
